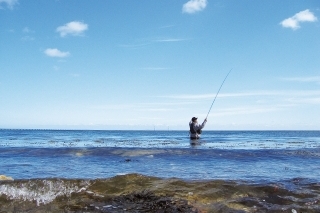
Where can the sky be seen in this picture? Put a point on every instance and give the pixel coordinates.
(154, 64)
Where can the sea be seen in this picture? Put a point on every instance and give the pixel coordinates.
(271, 161)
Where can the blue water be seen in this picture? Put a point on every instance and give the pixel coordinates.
(254, 156)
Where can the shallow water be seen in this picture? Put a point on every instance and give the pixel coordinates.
(261, 161)
(257, 156)
(160, 139)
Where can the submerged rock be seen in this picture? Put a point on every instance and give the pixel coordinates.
(147, 201)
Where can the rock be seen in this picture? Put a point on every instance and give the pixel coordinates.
(3, 177)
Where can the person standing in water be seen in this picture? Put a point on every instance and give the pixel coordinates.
(195, 128)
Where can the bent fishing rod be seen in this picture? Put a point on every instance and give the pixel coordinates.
(218, 92)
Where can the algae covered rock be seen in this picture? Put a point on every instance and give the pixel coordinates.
(3, 177)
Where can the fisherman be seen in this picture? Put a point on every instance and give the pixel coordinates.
(195, 128)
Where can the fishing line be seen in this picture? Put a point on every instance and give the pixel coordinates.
(218, 92)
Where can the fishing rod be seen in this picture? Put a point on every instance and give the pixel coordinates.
(218, 92)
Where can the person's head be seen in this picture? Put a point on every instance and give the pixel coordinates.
(194, 119)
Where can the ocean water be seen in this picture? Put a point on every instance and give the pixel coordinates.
(256, 156)
(264, 158)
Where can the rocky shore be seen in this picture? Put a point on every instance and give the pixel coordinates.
(138, 193)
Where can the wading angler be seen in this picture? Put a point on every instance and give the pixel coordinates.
(196, 128)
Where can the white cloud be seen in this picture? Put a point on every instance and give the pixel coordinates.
(311, 79)
(27, 33)
(56, 53)
(190, 97)
(245, 110)
(134, 45)
(166, 26)
(304, 100)
(171, 40)
(294, 21)
(302, 93)
(27, 38)
(9, 3)
(144, 107)
(227, 95)
(74, 28)
(193, 6)
(157, 110)
(155, 68)
(27, 30)
(75, 75)
(146, 42)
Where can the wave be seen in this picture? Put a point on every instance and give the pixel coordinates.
(42, 191)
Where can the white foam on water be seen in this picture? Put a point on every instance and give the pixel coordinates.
(41, 191)
(138, 152)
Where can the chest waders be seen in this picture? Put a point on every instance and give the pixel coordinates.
(196, 132)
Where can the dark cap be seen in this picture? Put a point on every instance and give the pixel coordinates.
(194, 119)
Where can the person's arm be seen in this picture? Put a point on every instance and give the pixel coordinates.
(203, 124)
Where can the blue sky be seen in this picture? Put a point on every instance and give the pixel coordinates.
(146, 64)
